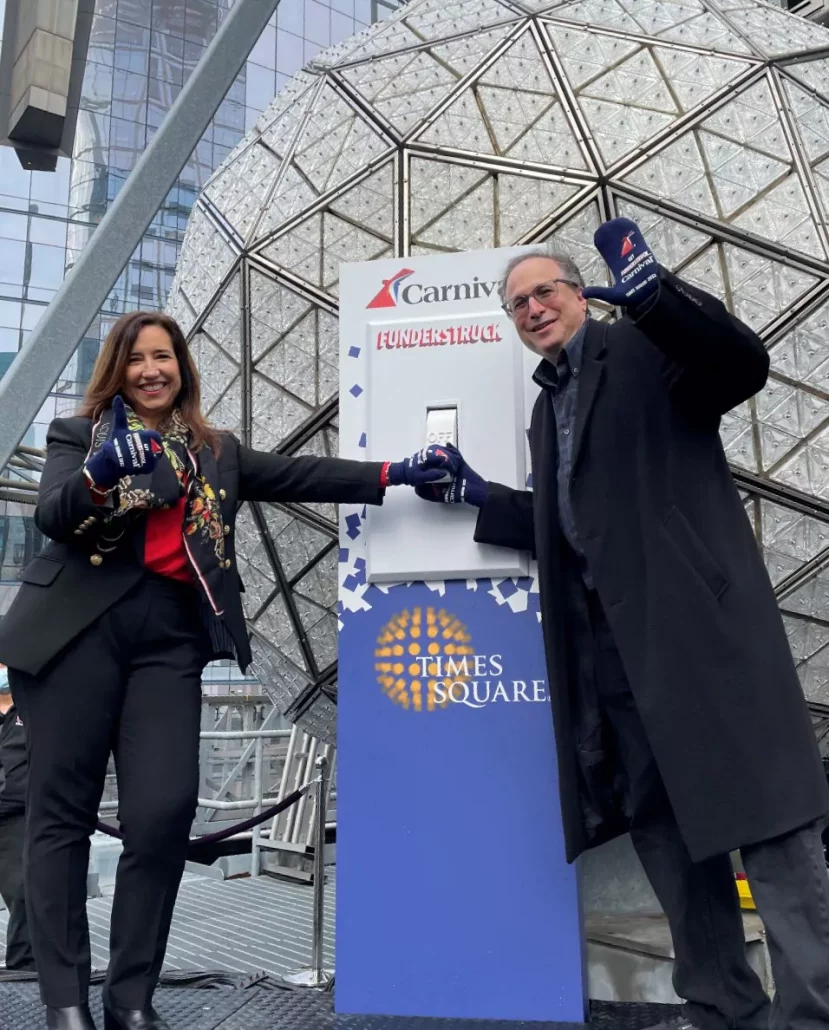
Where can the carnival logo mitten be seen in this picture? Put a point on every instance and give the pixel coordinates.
(433, 464)
(127, 452)
(467, 487)
(630, 260)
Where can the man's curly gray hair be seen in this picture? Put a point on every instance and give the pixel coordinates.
(569, 268)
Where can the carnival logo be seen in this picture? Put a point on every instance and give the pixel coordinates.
(417, 293)
(387, 297)
(425, 661)
(627, 244)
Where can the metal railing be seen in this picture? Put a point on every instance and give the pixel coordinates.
(20, 480)
(297, 829)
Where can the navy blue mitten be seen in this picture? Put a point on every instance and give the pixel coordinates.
(431, 465)
(467, 487)
(627, 255)
(127, 452)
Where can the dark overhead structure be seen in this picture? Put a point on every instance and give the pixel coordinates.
(42, 64)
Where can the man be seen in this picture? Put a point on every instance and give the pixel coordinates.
(678, 712)
(12, 820)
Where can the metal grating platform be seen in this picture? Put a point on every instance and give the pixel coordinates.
(261, 1009)
(242, 926)
(261, 926)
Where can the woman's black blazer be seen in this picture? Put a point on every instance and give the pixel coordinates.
(78, 575)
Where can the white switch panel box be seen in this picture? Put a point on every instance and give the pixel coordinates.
(442, 365)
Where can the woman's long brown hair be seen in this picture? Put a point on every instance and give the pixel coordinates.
(110, 374)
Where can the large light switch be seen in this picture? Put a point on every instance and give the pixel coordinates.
(472, 396)
(442, 429)
(430, 357)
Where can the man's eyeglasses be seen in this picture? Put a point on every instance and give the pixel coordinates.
(543, 293)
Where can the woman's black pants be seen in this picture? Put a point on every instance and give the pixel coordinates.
(130, 684)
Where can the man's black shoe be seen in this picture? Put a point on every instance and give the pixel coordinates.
(134, 1019)
(76, 1017)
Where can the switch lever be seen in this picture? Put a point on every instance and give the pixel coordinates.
(442, 429)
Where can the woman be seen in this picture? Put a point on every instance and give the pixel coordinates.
(109, 633)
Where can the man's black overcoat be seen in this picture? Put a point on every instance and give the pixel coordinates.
(678, 572)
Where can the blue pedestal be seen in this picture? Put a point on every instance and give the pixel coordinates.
(453, 895)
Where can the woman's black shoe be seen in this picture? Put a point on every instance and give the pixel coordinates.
(76, 1017)
(133, 1019)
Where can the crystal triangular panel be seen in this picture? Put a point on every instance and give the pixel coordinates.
(274, 311)
(707, 30)
(461, 126)
(226, 413)
(300, 250)
(224, 323)
(520, 69)
(403, 87)
(637, 82)
(510, 113)
(694, 77)
(655, 16)
(771, 31)
(292, 194)
(610, 14)
(469, 223)
(436, 186)
(278, 413)
(784, 214)
(620, 129)
(335, 142)
(462, 55)
(216, 370)
(751, 118)
(802, 353)
(738, 172)
(677, 170)
(550, 140)
(524, 202)
(575, 237)
(811, 120)
(239, 191)
(345, 243)
(762, 288)
(814, 74)
(435, 19)
(370, 202)
(586, 55)
(737, 435)
(292, 362)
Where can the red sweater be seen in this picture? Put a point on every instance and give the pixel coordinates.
(164, 551)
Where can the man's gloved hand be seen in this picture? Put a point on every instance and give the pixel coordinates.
(628, 257)
(431, 465)
(126, 453)
(467, 487)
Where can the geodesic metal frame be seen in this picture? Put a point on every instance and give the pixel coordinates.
(461, 124)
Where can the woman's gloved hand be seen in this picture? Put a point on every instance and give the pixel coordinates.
(466, 487)
(431, 465)
(127, 452)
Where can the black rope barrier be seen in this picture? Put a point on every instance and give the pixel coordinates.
(205, 979)
(230, 831)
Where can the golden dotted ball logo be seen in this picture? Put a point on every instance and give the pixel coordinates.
(417, 651)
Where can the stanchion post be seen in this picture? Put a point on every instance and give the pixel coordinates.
(317, 975)
(319, 867)
(258, 761)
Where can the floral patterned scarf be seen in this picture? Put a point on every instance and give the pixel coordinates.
(178, 473)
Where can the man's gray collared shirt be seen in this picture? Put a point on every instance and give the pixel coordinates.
(562, 380)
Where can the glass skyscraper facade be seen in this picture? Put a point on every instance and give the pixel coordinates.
(140, 54)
